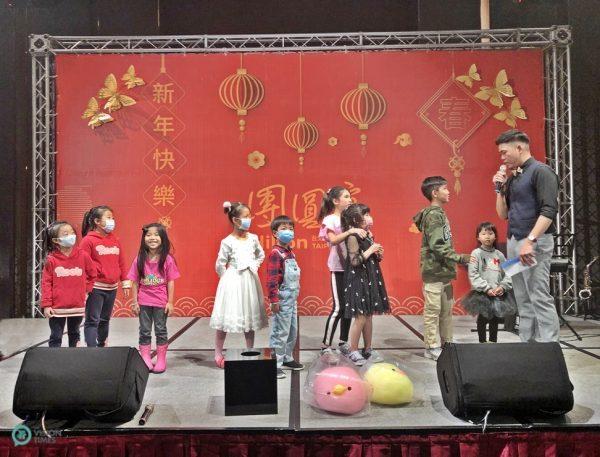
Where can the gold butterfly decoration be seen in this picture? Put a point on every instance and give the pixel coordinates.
(511, 116)
(494, 94)
(131, 80)
(93, 113)
(468, 79)
(115, 100)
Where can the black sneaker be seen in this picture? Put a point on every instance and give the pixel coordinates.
(293, 365)
(280, 374)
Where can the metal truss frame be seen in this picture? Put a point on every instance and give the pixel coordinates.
(554, 41)
(557, 73)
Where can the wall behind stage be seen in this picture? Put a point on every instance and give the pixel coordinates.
(178, 153)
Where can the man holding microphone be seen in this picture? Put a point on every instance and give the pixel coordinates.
(529, 200)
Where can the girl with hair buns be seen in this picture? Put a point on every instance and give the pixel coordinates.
(239, 303)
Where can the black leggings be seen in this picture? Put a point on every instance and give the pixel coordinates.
(337, 311)
(481, 324)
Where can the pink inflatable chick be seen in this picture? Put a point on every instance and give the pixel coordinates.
(340, 390)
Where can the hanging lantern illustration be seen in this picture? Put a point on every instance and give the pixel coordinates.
(241, 92)
(363, 106)
(301, 135)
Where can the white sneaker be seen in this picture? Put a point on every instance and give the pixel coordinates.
(432, 353)
(344, 349)
(280, 374)
(372, 356)
(357, 358)
(327, 350)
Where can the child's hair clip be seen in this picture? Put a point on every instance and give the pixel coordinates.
(226, 204)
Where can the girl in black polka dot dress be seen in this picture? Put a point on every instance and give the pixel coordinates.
(364, 288)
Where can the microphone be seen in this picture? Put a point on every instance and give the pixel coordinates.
(147, 411)
(498, 184)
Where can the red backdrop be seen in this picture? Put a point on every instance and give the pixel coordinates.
(177, 154)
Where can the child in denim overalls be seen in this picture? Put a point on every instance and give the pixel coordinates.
(283, 284)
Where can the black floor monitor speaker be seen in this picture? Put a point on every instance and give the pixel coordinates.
(104, 384)
(250, 382)
(518, 379)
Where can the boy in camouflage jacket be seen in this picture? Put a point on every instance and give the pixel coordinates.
(438, 266)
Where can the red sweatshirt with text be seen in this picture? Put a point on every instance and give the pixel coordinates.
(107, 255)
(67, 279)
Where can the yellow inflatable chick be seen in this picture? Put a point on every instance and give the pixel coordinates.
(390, 385)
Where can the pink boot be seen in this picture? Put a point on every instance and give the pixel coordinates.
(146, 356)
(161, 359)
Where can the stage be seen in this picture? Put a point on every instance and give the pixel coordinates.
(190, 395)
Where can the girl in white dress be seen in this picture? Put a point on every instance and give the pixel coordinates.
(239, 304)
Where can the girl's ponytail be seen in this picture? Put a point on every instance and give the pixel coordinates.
(48, 245)
(90, 217)
(327, 204)
(88, 221)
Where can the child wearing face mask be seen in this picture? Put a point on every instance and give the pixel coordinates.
(239, 302)
(67, 278)
(105, 250)
(283, 284)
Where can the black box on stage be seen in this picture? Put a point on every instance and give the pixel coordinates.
(507, 378)
(105, 384)
(250, 382)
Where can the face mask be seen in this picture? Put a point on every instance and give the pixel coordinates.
(369, 222)
(245, 223)
(67, 241)
(285, 236)
(110, 225)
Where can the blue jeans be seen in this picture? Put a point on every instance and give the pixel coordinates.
(98, 310)
(284, 330)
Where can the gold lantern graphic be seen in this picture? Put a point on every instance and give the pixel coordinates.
(363, 106)
(301, 135)
(241, 92)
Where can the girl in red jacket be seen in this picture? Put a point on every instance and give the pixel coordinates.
(105, 250)
(68, 276)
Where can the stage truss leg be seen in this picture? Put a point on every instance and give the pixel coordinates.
(43, 169)
(560, 157)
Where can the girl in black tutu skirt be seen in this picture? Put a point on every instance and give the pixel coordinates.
(491, 296)
(364, 288)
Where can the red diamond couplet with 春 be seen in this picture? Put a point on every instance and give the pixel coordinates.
(163, 91)
(454, 113)
(164, 195)
(164, 126)
(164, 159)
